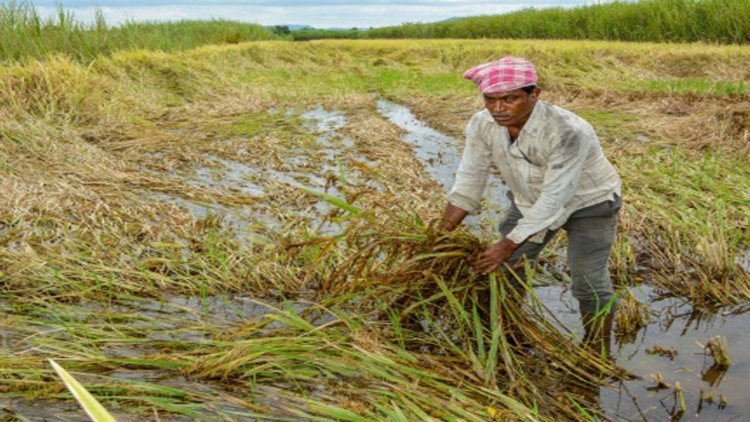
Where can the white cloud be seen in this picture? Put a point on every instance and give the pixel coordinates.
(318, 14)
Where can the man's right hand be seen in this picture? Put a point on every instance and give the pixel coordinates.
(493, 256)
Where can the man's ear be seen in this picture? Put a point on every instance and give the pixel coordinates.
(535, 93)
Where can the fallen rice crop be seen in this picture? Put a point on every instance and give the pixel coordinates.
(235, 232)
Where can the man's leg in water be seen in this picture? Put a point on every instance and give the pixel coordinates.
(591, 232)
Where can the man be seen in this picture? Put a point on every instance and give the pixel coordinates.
(552, 163)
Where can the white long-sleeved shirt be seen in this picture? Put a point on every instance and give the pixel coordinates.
(554, 168)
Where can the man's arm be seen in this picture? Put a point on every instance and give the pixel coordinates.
(471, 175)
(561, 178)
(490, 258)
(452, 217)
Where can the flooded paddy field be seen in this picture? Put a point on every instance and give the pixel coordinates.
(268, 251)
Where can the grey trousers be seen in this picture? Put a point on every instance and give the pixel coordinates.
(591, 232)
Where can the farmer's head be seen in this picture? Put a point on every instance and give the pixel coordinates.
(509, 89)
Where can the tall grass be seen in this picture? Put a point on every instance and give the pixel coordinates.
(26, 34)
(719, 21)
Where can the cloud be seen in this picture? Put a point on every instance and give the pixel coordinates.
(292, 3)
(322, 14)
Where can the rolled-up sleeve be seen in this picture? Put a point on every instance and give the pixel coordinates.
(561, 178)
(472, 174)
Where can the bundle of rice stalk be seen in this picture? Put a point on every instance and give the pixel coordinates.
(496, 330)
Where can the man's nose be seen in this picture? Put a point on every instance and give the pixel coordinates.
(497, 106)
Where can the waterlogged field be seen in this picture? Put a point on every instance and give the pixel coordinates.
(247, 233)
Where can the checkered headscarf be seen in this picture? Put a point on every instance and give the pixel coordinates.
(503, 75)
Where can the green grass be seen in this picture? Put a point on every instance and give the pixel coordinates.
(315, 34)
(403, 81)
(716, 21)
(698, 86)
(308, 83)
(609, 121)
(93, 408)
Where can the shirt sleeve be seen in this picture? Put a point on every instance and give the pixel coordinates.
(473, 172)
(561, 178)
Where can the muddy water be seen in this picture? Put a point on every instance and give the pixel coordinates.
(233, 177)
(672, 327)
(439, 152)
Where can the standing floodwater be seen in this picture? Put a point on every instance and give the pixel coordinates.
(438, 152)
(673, 326)
(441, 155)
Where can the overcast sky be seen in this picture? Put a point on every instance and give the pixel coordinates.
(318, 13)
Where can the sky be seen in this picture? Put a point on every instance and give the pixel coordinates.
(317, 13)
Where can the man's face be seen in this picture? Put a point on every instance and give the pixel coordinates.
(511, 108)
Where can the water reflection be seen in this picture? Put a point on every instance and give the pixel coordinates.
(714, 375)
(687, 376)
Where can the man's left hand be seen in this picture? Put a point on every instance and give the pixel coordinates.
(493, 256)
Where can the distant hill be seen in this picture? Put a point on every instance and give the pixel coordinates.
(295, 27)
(345, 29)
(287, 28)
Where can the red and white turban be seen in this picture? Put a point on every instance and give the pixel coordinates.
(506, 74)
